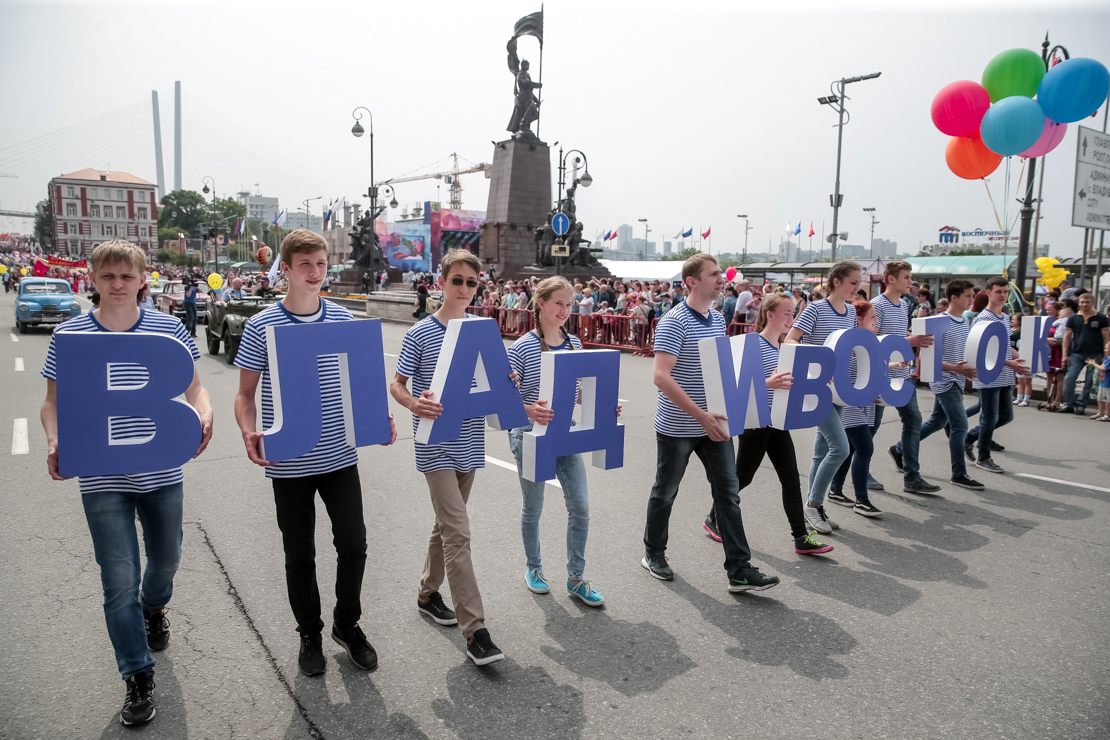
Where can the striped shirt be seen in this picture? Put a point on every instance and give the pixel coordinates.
(1006, 378)
(857, 416)
(893, 318)
(123, 375)
(419, 355)
(332, 452)
(819, 319)
(770, 354)
(525, 356)
(678, 334)
(955, 340)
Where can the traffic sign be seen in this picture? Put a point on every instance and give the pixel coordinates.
(560, 224)
(1091, 199)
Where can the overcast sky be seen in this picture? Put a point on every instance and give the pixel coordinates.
(690, 112)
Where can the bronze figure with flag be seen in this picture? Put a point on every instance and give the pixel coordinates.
(527, 104)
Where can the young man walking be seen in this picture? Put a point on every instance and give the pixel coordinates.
(1085, 335)
(684, 426)
(892, 312)
(134, 611)
(330, 468)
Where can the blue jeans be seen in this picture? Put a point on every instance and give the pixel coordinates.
(995, 410)
(862, 446)
(719, 461)
(111, 518)
(1076, 365)
(948, 408)
(571, 472)
(910, 444)
(830, 449)
(191, 318)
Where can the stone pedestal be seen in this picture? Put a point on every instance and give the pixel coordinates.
(519, 199)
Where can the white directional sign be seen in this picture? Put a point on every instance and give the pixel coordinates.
(1091, 204)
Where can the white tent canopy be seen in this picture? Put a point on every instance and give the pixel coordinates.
(670, 271)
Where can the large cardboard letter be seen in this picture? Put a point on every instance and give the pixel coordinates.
(1033, 345)
(931, 356)
(472, 379)
(810, 398)
(987, 350)
(599, 431)
(898, 390)
(871, 373)
(294, 353)
(732, 372)
(101, 389)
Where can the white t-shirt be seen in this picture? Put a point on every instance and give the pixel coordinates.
(586, 306)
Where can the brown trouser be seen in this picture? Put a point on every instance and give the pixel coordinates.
(449, 548)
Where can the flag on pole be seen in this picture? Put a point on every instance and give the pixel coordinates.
(613, 235)
(706, 234)
(678, 235)
(274, 268)
(280, 220)
(607, 235)
(811, 232)
(688, 232)
(789, 228)
(799, 229)
(327, 214)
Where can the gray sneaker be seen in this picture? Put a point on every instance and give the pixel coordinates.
(920, 486)
(989, 466)
(816, 519)
(874, 485)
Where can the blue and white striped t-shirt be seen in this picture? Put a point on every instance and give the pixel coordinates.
(856, 416)
(525, 355)
(678, 333)
(954, 342)
(819, 319)
(1006, 378)
(123, 375)
(770, 355)
(419, 355)
(893, 318)
(332, 452)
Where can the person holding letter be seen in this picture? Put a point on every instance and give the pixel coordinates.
(330, 468)
(684, 426)
(134, 612)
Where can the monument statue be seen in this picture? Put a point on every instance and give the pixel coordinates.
(365, 247)
(527, 106)
(545, 238)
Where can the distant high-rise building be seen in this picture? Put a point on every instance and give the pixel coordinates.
(294, 220)
(885, 249)
(260, 207)
(624, 238)
(666, 249)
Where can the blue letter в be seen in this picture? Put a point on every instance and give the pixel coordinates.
(987, 350)
(471, 379)
(809, 399)
(599, 431)
(92, 403)
(932, 355)
(732, 373)
(295, 351)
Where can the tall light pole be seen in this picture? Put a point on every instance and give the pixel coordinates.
(747, 228)
(307, 213)
(836, 100)
(873, 222)
(372, 192)
(208, 180)
(585, 181)
(647, 231)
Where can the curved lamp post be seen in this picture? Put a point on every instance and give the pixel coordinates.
(585, 181)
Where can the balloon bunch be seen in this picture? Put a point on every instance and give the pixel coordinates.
(1000, 118)
(1051, 276)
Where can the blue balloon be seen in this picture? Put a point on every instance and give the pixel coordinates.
(1073, 90)
(1012, 125)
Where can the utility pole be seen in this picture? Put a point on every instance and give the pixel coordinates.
(873, 222)
(747, 228)
(643, 254)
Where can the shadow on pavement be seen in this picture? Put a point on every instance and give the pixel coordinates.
(936, 531)
(914, 563)
(1032, 504)
(863, 589)
(632, 657)
(169, 720)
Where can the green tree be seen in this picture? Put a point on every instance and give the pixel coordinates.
(184, 210)
(682, 256)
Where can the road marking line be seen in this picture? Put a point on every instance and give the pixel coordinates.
(512, 467)
(1062, 482)
(19, 437)
(19, 364)
(622, 400)
(389, 355)
(14, 337)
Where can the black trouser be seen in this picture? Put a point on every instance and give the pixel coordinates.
(776, 444)
(341, 493)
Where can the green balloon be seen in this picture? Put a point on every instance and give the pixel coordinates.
(1013, 72)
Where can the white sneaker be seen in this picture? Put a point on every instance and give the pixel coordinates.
(817, 519)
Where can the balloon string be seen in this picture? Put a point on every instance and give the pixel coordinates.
(993, 206)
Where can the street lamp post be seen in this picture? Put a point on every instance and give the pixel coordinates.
(644, 221)
(372, 192)
(307, 213)
(208, 180)
(836, 101)
(747, 228)
(873, 222)
(585, 181)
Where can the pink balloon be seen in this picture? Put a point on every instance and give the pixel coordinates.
(1050, 139)
(730, 273)
(959, 107)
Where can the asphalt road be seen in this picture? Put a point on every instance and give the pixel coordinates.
(965, 615)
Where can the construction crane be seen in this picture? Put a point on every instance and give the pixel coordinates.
(452, 178)
(7, 174)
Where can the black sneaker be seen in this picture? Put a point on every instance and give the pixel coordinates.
(311, 659)
(657, 566)
(920, 486)
(969, 451)
(750, 579)
(989, 465)
(481, 650)
(809, 545)
(995, 447)
(866, 508)
(838, 497)
(710, 527)
(1065, 410)
(138, 706)
(896, 456)
(437, 610)
(359, 649)
(157, 630)
(965, 482)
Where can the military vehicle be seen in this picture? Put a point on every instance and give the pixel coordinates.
(225, 323)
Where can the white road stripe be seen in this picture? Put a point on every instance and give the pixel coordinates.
(19, 364)
(389, 355)
(14, 337)
(512, 467)
(1062, 482)
(19, 437)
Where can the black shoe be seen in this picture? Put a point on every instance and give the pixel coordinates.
(838, 497)
(896, 456)
(657, 566)
(865, 508)
(311, 659)
(969, 451)
(989, 465)
(359, 649)
(1065, 410)
(437, 610)
(157, 630)
(750, 579)
(710, 527)
(481, 650)
(965, 482)
(138, 706)
(995, 447)
(920, 486)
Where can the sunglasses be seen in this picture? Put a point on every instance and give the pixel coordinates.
(457, 280)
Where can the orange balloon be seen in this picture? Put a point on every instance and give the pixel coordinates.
(969, 158)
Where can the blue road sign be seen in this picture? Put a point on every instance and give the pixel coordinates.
(560, 224)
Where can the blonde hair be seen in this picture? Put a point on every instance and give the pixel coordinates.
(302, 241)
(543, 292)
(770, 303)
(456, 257)
(693, 266)
(116, 251)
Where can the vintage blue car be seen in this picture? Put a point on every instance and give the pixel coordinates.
(44, 301)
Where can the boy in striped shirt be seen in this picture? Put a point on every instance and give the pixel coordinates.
(135, 614)
(330, 468)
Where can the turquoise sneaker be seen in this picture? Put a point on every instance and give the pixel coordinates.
(536, 582)
(585, 593)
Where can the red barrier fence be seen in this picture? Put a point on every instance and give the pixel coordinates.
(737, 327)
